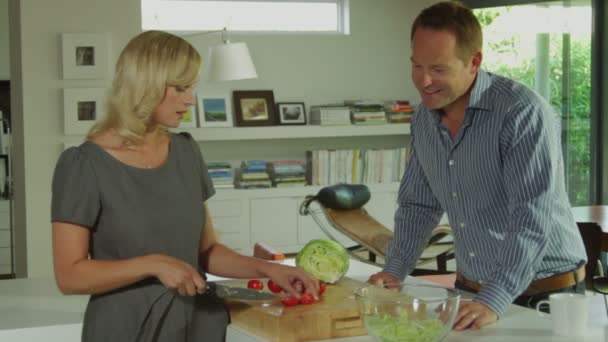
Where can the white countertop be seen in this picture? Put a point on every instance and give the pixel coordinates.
(31, 309)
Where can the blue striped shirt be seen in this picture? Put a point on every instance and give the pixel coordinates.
(501, 183)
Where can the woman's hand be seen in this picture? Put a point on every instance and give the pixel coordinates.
(293, 280)
(177, 275)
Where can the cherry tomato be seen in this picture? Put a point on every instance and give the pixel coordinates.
(255, 284)
(306, 299)
(290, 301)
(321, 287)
(273, 287)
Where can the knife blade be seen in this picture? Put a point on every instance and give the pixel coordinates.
(240, 293)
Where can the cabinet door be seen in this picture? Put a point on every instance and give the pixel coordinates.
(274, 221)
(382, 207)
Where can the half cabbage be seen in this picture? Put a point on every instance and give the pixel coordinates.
(325, 260)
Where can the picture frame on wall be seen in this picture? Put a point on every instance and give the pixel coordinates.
(85, 55)
(291, 113)
(189, 119)
(214, 111)
(82, 107)
(254, 108)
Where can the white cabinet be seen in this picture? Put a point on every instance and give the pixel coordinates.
(5, 237)
(272, 216)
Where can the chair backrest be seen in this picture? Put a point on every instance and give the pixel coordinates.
(592, 238)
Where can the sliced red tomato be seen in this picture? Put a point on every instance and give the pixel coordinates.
(273, 287)
(290, 301)
(255, 284)
(307, 298)
(322, 287)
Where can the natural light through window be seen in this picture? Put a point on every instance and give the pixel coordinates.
(281, 16)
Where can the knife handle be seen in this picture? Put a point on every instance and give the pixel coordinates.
(211, 287)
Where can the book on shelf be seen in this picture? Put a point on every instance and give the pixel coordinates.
(330, 115)
(366, 166)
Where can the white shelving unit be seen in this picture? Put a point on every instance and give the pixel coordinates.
(244, 217)
(295, 132)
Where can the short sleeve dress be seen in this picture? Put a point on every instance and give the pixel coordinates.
(133, 212)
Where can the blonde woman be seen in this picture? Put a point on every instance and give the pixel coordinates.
(130, 224)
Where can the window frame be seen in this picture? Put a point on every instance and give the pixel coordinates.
(342, 19)
(598, 181)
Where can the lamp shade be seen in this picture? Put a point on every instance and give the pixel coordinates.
(229, 61)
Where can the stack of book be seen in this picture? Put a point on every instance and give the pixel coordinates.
(287, 173)
(253, 175)
(399, 111)
(366, 112)
(222, 174)
(328, 115)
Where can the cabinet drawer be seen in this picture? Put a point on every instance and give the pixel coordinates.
(5, 238)
(274, 221)
(5, 256)
(5, 207)
(228, 224)
(225, 208)
(5, 269)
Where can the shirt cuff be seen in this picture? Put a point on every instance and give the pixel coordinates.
(494, 297)
(397, 268)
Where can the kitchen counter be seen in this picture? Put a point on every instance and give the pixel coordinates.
(34, 309)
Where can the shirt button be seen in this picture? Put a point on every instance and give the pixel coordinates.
(461, 224)
(451, 162)
(454, 194)
(471, 254)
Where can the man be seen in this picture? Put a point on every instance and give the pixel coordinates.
(487, 151)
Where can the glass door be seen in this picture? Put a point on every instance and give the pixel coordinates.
(547, 46)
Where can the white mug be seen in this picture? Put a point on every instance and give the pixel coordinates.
(569, 313)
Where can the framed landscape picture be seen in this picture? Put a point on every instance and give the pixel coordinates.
(291, 113)
(189, 118)
(254, 107)
(214, 111)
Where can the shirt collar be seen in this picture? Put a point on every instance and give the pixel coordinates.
(477, 100)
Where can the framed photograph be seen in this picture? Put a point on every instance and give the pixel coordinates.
(291, 113)
(82, 107)
(254, 107)
(214, 111)
(84, 55)
(189, 119)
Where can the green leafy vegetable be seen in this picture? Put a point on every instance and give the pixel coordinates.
(326, 260)
(400, 329)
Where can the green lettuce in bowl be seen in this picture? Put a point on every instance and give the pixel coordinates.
(407, 312)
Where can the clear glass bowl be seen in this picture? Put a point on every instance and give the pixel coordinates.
(407, 312)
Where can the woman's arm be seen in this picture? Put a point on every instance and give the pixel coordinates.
(220, 260)
(75, 273)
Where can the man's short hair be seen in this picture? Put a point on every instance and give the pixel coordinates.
(453, 17)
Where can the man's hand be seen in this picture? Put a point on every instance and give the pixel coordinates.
(384, 279)
(473, 315)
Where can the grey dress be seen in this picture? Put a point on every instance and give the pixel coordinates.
(133, 212)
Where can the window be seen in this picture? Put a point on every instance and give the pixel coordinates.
(247, 15)
(547, 46)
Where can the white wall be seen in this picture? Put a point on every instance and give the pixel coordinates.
(373, 62)
(4, 48)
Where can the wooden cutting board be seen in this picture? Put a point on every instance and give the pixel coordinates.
(335, 315)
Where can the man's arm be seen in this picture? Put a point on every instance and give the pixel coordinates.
(418, 213)
(531, 162)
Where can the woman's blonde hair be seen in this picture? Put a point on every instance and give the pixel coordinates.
(151, 62)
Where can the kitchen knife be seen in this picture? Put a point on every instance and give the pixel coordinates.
(240, 293)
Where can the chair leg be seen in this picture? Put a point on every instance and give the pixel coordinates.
(372, 256)
(442, 263)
